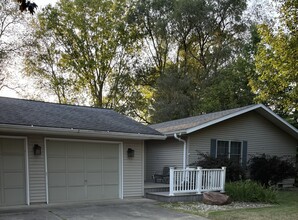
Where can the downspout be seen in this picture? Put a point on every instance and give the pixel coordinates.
(184, 149)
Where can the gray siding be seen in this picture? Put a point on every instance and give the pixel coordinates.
(162, 153)
(133, 169)
(37, 179)
(261, 135)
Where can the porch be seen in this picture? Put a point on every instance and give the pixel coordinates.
(186, 185)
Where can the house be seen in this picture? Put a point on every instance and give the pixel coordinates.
(236, 133)
(53, 153)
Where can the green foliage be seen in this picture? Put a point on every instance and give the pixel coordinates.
(87, 43)
(234, 171)
(198, 44)
(275, 81)
(269, 170)
(173, 96)
(249, 191)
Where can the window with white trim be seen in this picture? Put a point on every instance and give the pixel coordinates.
(229, 149)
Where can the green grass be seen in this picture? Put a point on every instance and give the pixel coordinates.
(287, 208)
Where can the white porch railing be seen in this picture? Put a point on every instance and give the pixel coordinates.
(192, 180)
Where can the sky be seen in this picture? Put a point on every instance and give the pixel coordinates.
(9, 92)
(41, 3)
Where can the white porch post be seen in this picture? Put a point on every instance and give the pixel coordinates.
(199, 180)
(223, 179)
(172, 181)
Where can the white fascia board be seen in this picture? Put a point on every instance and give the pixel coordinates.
(78, 132)
(190, 130)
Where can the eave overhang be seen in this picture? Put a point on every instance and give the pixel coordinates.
(77, 132)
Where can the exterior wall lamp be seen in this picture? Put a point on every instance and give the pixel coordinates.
(130, 153)
(37, 149)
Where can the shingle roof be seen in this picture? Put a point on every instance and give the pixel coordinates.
(43, 114)
(192, 124)
(184, 124)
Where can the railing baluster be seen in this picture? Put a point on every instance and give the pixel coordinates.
(196, 180)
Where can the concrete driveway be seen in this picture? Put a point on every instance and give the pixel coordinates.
(108, 210)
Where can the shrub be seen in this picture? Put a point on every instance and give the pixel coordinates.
(234, 171)
(269, 170)
(249, 191)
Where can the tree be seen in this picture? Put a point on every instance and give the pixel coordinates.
(206, 42)
(154, 25)
(90, 42)
(153, 19)
(275, 82)
(174, 96)
(12, 23)
(27, 5)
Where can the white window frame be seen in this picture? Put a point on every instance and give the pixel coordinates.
(229, 153)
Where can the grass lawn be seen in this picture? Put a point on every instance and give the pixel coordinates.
(287, 208)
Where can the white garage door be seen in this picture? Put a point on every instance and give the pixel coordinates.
(82, 171)
(12, 172)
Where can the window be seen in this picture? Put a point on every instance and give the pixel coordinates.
(229, 149)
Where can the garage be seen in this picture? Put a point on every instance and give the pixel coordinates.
(12, 172)
(82, 171)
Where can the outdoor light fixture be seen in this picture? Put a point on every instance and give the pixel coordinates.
(130, 152)
(37, 149)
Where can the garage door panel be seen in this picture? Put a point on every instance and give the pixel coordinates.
(57, 179)
(110, 150)
(75, 164)
(76, 193)
(57, 194)
(76, 179)
(93, 151)
(86, 164)
(110, 165)
(95, 192)
(94, 179)
(11, 163)
(93, 165)
(12, 180)
(12, 172)
(56, 164)
(56, 148)
(75, 149)
(12, 146)
(110, 178)
(111, 191)
(14, 196)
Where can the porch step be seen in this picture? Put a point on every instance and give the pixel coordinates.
(165, 197)
(159, 189)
